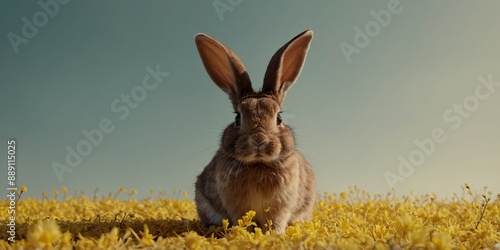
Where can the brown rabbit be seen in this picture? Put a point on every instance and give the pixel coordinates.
(256, 167)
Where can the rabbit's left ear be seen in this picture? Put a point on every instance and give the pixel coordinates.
(286, 64)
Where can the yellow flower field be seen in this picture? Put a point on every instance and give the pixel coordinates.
(353, 219)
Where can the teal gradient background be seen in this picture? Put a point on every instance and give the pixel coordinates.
(352, 120)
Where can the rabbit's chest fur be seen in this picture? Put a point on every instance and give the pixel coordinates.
(259, 187)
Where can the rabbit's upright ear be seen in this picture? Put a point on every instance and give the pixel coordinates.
(286, 64)
(224, 67)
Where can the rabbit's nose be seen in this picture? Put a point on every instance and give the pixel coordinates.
(258, 142)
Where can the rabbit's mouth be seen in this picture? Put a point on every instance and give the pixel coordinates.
(257, 158)
(260, 156)
(259, 152)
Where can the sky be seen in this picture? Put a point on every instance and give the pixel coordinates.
(393, 94)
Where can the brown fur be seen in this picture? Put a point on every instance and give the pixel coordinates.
(257, 167)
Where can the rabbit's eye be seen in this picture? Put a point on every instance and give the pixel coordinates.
(237, 120)
(279, 120)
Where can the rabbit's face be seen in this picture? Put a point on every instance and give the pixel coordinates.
(261, 134)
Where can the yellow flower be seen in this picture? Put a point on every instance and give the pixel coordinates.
(441, 240)
(343, 195)
(24, 189)
(66, 239)
(406, 224)
(147, 238)
(44, 234)
(133, 191)
(64, 190)
(110, 239)
(225, 224)
(246, 220)
(193, 241)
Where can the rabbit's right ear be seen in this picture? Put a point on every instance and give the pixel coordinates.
(224, 67)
